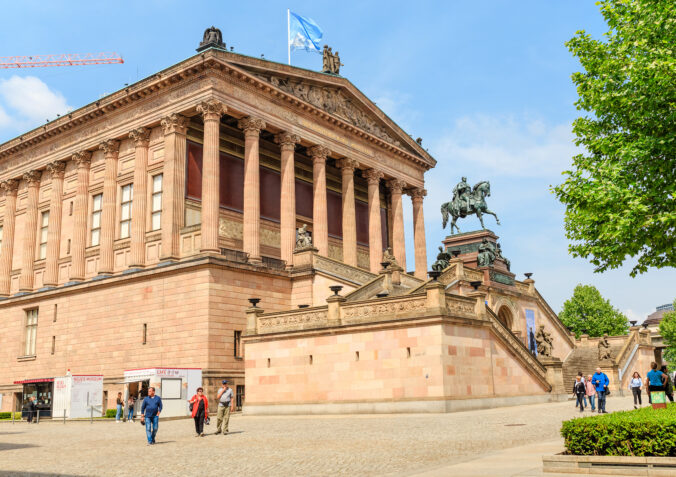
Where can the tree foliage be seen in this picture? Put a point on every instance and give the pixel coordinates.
(620, 195)
(589, 313)
(668, 332)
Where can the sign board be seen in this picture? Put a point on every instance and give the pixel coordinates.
(76, 395)
(659, 399)
(530, 328)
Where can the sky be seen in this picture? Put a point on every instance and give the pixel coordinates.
(486, 84)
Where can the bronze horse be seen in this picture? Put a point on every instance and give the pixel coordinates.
(477, 206)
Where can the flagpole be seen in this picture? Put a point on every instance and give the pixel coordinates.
(288, 32)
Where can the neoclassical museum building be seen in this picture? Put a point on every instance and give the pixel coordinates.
(135, 230)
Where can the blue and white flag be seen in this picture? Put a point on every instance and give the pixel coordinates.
(304, 34)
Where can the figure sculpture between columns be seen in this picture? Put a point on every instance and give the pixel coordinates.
(27, 276)
(287, 201)
(398, 241)
(211, 112)
(251, 243)
(9, 189)
(174, 128)
(347, 167)
(79, 242)
(320, 225)
(137, 252)
(419, 232)
(110, 150)
(373, 177)
(56, 171)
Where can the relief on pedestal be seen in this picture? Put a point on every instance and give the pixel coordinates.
(230, 229)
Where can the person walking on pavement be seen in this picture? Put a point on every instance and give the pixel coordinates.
(30, 409)
(120, 406)
(584, 398)
(200, 411)
(600, 381)
(656, 381)
(150, 414)
(130, 409)
(590, 392)
(668, 384)
(226, 404)
(579, 392)
(635, 386)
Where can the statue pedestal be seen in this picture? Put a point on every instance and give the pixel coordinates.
(554, 368)
(468, 246)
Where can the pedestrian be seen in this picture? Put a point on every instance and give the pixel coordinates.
(150, 414)
(120, 406)
(590, 392)
(579, 392)
(199, 404)
(600, 381)
(656, 380)
(669, 384)
(635, 386)
(579, 373)
(226, 404)
(30, 409)
(130, 408)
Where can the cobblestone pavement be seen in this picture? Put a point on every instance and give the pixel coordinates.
(364, 445)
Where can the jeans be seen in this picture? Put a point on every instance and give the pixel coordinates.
(118, 415)
(584, 398)
(592, 399)
(152, 421)
(579, 403)
(636, 391)
(130, 416)
(199, 422)
(602, 400)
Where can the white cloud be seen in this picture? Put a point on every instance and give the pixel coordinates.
(29, 101)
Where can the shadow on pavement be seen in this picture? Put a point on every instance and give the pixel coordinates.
(8, 446)
(13, 473)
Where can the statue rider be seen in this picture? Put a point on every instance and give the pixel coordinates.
(462, 192)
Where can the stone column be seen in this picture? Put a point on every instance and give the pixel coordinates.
(79, 242)
(30, 231)
(211, 111)
(320, 221)
(398, 241)
(375, 229)
(174, 127)
(419, 232)
(347, 167)
(9, 189)
(287, 200)
(252, 193)
(56, 171)
(111, 149)
(137, 252)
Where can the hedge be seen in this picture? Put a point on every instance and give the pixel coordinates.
(111, 412)
(642, 433)
(8, 415)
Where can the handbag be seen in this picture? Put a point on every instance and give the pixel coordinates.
(191, 405)
(207, 421)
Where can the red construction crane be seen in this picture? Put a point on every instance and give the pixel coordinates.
(42, 61)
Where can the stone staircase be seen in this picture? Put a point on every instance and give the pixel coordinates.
(585, 359)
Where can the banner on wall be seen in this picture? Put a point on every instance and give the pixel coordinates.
(530, 329)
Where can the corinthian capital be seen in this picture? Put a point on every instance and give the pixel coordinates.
(319, 152)
(373, 176)
(287, 139)
(110, 147)
(140, 136)
(82, 158)
(211, 109)
(9, 187)
(251, 126)
(417, 193)
(174, 123)
(32, 178)
(347, 165)
(56, 169)
(396, 186)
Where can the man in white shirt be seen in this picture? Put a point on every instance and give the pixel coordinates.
(226, 404)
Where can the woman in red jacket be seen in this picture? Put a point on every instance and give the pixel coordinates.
(200, 411)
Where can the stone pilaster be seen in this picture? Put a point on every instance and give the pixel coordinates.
(287, 200)
(320, 221)
(137, 252)
(398, 241)
(211, 112)
(252, 196)
(347, 167)
(111, 150)
(174, 128)
(373, 177)
(79, 242)
(56, 171)
(30, 231)
(9, 189)
(420, 244)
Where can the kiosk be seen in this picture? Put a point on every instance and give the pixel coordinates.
(174, 385)
(78, 395)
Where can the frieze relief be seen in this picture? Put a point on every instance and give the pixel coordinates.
(362, 313)
(275, 323)
(459, 307)
(341, 270)
(230, 229)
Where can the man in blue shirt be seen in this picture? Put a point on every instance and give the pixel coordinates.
(656, 380)
(601, 382)
(150, 412)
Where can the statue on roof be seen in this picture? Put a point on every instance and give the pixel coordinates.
(544, 341)
(604, 348)
(466, 201)
(443, 260)
(212, 37)
(389, 257)
(498, 254)
(330, 61)
(303, 238)
(486, 255)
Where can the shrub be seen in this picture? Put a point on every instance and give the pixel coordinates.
(643, 432)
(8, 415)
(111, 412)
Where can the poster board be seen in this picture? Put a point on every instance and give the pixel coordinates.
(659, 399)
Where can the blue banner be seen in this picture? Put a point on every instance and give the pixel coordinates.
(304, 33)
(530, 331)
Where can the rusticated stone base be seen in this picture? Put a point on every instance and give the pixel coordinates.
(573, 465)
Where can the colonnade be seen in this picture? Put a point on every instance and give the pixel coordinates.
(174, 129)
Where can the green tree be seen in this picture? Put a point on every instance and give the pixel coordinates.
(588, 312)
(668, 332)
(620, 195)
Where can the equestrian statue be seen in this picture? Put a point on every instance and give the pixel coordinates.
(466, 201)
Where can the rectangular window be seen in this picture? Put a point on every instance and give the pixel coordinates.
(125, 210)
(145, 333)
(53, 344)
(238, 344)
(31, 332)
(156, 210)
(97, 206)
(44, 226)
